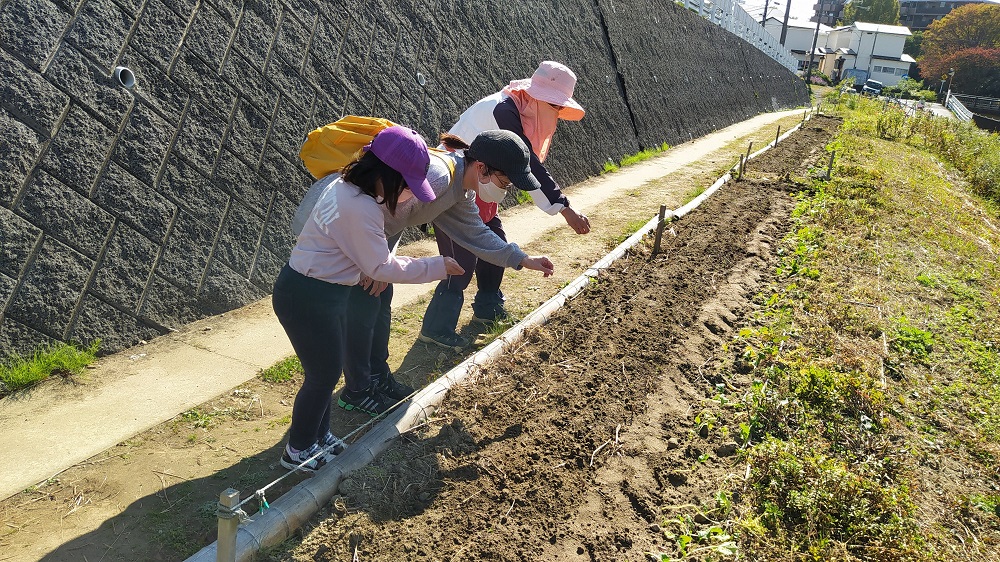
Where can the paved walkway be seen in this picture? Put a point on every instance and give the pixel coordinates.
(129, 392)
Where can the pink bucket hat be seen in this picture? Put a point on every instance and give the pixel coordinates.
(553, 82)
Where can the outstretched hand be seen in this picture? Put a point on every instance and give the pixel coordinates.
(577, 221)
(452, 267)
(539, 263)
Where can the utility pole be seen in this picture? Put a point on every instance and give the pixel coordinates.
(763, 17)
(871, 57)
(784, 25)
(809, 68)
(951, 74)
(819, 17)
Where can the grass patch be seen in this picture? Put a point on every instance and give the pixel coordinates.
(631, 159)
(282, 371)
(692, 194)
(17, 373)
(971, 150)
(629, 229)
(522, 197)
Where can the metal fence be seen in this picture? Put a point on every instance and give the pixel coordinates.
(957, 108)
(979, 103)
(730, 16)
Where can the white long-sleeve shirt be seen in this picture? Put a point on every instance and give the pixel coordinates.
(344, 237)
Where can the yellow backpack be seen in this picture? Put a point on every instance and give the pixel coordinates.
(330, 147)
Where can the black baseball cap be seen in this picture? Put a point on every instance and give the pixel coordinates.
(505, 151)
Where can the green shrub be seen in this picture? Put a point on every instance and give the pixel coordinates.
(925, 95)
(904, 88)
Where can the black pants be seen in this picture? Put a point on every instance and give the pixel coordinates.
(313, 314)
(368, 320)
(449, 296)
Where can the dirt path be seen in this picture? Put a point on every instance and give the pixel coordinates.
(152, 497)
(579, 444)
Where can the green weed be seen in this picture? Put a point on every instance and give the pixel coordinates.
(61, 359)
(628, 160)
(883, 315)
(630, 228)
(282, 371)
(692, 194)
(198, 419)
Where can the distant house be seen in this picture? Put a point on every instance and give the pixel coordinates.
(862, 50)
(866, 50)
(919, 14)
(914, 14)
(828, 11)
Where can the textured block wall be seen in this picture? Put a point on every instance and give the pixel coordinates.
(126, 213)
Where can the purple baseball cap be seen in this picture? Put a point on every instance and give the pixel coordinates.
(405, 151)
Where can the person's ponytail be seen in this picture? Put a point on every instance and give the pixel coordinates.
(455, 142)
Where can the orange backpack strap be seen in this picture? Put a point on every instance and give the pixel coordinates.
(443, 156)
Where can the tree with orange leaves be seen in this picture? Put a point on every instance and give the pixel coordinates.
(966, 40)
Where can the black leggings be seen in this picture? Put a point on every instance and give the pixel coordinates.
(313, 314)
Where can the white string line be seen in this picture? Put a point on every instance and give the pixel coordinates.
(323, 450)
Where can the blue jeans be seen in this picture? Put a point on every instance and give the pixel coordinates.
(449, 296)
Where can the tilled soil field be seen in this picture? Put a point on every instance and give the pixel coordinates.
(581, 441)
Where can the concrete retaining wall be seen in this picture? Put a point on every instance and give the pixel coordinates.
(126, 213)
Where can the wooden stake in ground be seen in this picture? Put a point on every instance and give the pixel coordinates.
(829, 167)
(776, 135)
(659, 230)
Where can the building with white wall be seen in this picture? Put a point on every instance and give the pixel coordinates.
(799, 38)
(862, 50)
(867, 50)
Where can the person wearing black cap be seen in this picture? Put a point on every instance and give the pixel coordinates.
(494, 160)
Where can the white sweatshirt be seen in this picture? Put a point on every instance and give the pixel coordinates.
(345, 237)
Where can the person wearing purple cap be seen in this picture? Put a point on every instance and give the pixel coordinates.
(342, 240)
(530, 108)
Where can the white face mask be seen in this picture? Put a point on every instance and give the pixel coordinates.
(490, 193)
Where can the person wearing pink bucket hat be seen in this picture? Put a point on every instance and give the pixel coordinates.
(342, 241)
(552, 83)
(531, 108)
